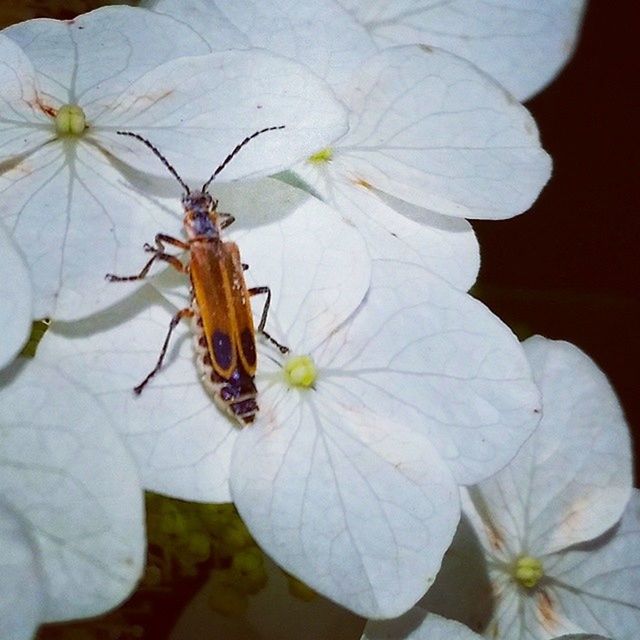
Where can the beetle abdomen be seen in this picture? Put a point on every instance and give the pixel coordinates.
(235, 395)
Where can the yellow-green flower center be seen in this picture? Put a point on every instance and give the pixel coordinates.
(300, 371)
(528, 571)
(322, 157)
(70, 120)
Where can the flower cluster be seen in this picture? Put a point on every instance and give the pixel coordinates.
(392, 409)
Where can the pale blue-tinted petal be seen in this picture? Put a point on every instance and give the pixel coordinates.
(522, 44)
(66, 472)
(359, 507)
(99, 54)
(196, 110)
(321, 36)
(179, 439)
(421, 352)
(22, 584)
(430, 128)
(76, 218)
(24, 125)
(16, 298)
(396, 230)
(597, 583)
(579, 477)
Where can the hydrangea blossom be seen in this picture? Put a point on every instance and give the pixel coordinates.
(547, 553)
(429, 135)
(523, 45)
(71, 516)
(15, 294)
(67, 196)
(419, 390)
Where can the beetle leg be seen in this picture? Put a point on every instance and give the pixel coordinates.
(254, 291)
(158, 254)
(227, 219)
(183, 313)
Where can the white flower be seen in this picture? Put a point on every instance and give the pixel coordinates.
(65, 175)
(430, 136)
(523, 45)
(556, 559)
(15, 294)
(348, 478)
(71, 513)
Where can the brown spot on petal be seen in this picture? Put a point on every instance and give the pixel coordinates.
(154, 98)
(361, 182)
(40, 105)
(546, 612)
(426, 48)
(496, 539)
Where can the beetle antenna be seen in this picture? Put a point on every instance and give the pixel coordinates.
(164, 161)
(239, 146)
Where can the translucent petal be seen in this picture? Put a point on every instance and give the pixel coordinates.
(423, 353)
(100, 53)
(429, 128)
(580, 483)
(321, 36)
(317, 267)
(180, 440)
(24, 125)
(16, 297)
(357, 506)
(22, 583)
(572, 479)
(522, 44)
(76, 218)
(396, 230)
(196, 110)
(67, 474)
(597, 583)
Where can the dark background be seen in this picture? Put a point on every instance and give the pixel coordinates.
(568, 269)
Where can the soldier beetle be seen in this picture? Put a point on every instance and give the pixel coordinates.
(220, 311)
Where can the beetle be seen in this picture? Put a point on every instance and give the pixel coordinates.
(220, 310)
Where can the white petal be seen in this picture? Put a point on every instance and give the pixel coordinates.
(598, 583)
(396, 230)
(572, 479)
(66, 472)
(205, 18)
(76, 218)
(101, 53)
(16, 297)
(421, 352)
(21, 595)
(320, 35)
(579, 462)
(430, 128)
(180, 440)
(357, 506)
(418, 624)
(196, 110)
(23, 123)
(521, 44)
(316, 265)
